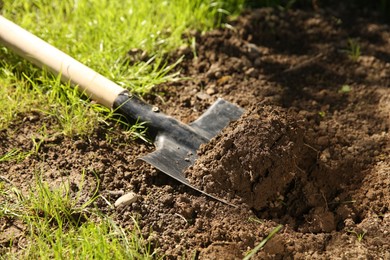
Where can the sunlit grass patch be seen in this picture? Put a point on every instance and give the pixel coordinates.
(15, 95)
(100, 33)
(59, 223)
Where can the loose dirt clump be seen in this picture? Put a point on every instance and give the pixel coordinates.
(254, 159)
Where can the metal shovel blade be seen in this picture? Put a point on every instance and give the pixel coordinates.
(173, 157)
(177, 143)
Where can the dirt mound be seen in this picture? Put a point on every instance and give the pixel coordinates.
(254, 159)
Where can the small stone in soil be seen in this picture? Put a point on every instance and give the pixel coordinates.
(126, 199)
(202, 96)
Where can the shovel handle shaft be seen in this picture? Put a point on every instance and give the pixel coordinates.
(42, 54)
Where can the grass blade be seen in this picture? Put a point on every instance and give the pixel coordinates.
(262, 243)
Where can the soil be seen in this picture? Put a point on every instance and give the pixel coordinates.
(311, 152)
(254, 159)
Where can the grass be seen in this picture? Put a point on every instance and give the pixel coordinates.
(253, 252)
(59, 224)
(353, 49)
(15, 93)
(359, 236)
(99, 34)
(14, 154)
(345, 89)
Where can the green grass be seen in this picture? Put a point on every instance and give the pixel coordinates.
(253, 252)
(14, 154)
(353, 49)
(359, 236)
(60, 224)
(345, 89)
(99, 33)
(15, 93)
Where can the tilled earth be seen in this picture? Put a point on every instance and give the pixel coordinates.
(311, 151)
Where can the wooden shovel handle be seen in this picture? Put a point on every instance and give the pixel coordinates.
(42, 54)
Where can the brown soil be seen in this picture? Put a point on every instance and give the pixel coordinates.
(308, 153)
(254, 158)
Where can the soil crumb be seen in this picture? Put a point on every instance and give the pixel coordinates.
(254, 160)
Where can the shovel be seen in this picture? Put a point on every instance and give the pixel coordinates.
(176, 143)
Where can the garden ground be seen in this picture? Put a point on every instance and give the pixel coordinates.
(310, 153)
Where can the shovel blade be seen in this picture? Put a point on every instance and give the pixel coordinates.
(173, 156)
